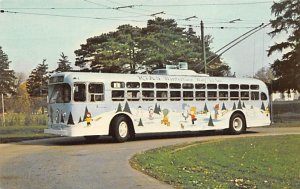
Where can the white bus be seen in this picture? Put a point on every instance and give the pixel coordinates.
(122, 105)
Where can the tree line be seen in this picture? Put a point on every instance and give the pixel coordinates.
(132, 49)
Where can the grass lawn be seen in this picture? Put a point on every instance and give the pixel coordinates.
(257, 162)
(18, 133)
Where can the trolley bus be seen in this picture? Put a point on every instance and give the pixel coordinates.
(123, 105)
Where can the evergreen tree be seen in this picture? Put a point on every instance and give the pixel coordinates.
(234, 106)
(210, 122)
(119, 108)
(140, 123)
(7, 76)
(287, 68)
(263, 106)
(244, 106)
(156, 109)
(37, 83)
(205, 108)
(70, 119)
(223, 106)
(63, 64)
(85, 113)
(239, 105)
(130, 48)
(127, 108)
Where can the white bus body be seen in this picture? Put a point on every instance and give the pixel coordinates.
(122, 105)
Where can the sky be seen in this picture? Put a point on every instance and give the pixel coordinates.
(33, 30)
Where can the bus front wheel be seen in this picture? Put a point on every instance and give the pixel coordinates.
(120, 130)
(237, 124)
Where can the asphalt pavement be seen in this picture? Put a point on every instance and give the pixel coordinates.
(71, 163)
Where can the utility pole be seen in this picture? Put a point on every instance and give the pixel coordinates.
(203, 46)
(3, 117)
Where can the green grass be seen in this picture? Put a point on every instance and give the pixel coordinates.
(258, 162)
(18, 133)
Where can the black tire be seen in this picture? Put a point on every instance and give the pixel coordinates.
(92, 138)
(237, 124)
(120, 129)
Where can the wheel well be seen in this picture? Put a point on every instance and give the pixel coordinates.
(131, 128)
(240, 112)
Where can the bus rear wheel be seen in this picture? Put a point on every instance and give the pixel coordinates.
(120, 129)
(237, 124)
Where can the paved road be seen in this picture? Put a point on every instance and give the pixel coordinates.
(65, 163)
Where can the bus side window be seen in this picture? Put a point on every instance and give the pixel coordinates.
(117, 95)
(79, 92)
(263, 96)
(161, 95)
(254, 96)
(96, 92)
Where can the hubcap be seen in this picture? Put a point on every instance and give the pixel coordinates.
(123, 129)
(237, 124)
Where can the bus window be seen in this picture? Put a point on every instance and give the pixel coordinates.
(200, 86)
(223, 95)
(200, 95)
(175, 85)
(79, 92)
(223, 86)
(212, 95)
(96, 92)
(254, 87)
(188, 95)
(133, 95)
(263, 96)
(211, 86)
(148, 95)
(148, 85)
(245, 95)
(161, 95)
(117, 84)
(245, 87)
(234, 86)
(161, 85)
(117, 95)
(175, 95)
(61, 94)
(254, 96)
(187, 85)
(133, 85)
(234, 95)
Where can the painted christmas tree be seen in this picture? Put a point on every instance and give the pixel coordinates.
(156, 109)
(159, 110)
(263, 106)
(205, 108)
(140, 123)
(234, 106)
(51, 114)
(70, 119)
(80, 120)
(85, 113)
(126, 108)
(119, 108)
(223, 106)
(62, 120)
(244, 105)
(210, 122)
(239, 105)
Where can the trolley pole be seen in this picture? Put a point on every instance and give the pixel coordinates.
(203, 46)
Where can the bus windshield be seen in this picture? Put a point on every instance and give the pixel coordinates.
(60, 94)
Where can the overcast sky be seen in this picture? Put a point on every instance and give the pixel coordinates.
(36, 29)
